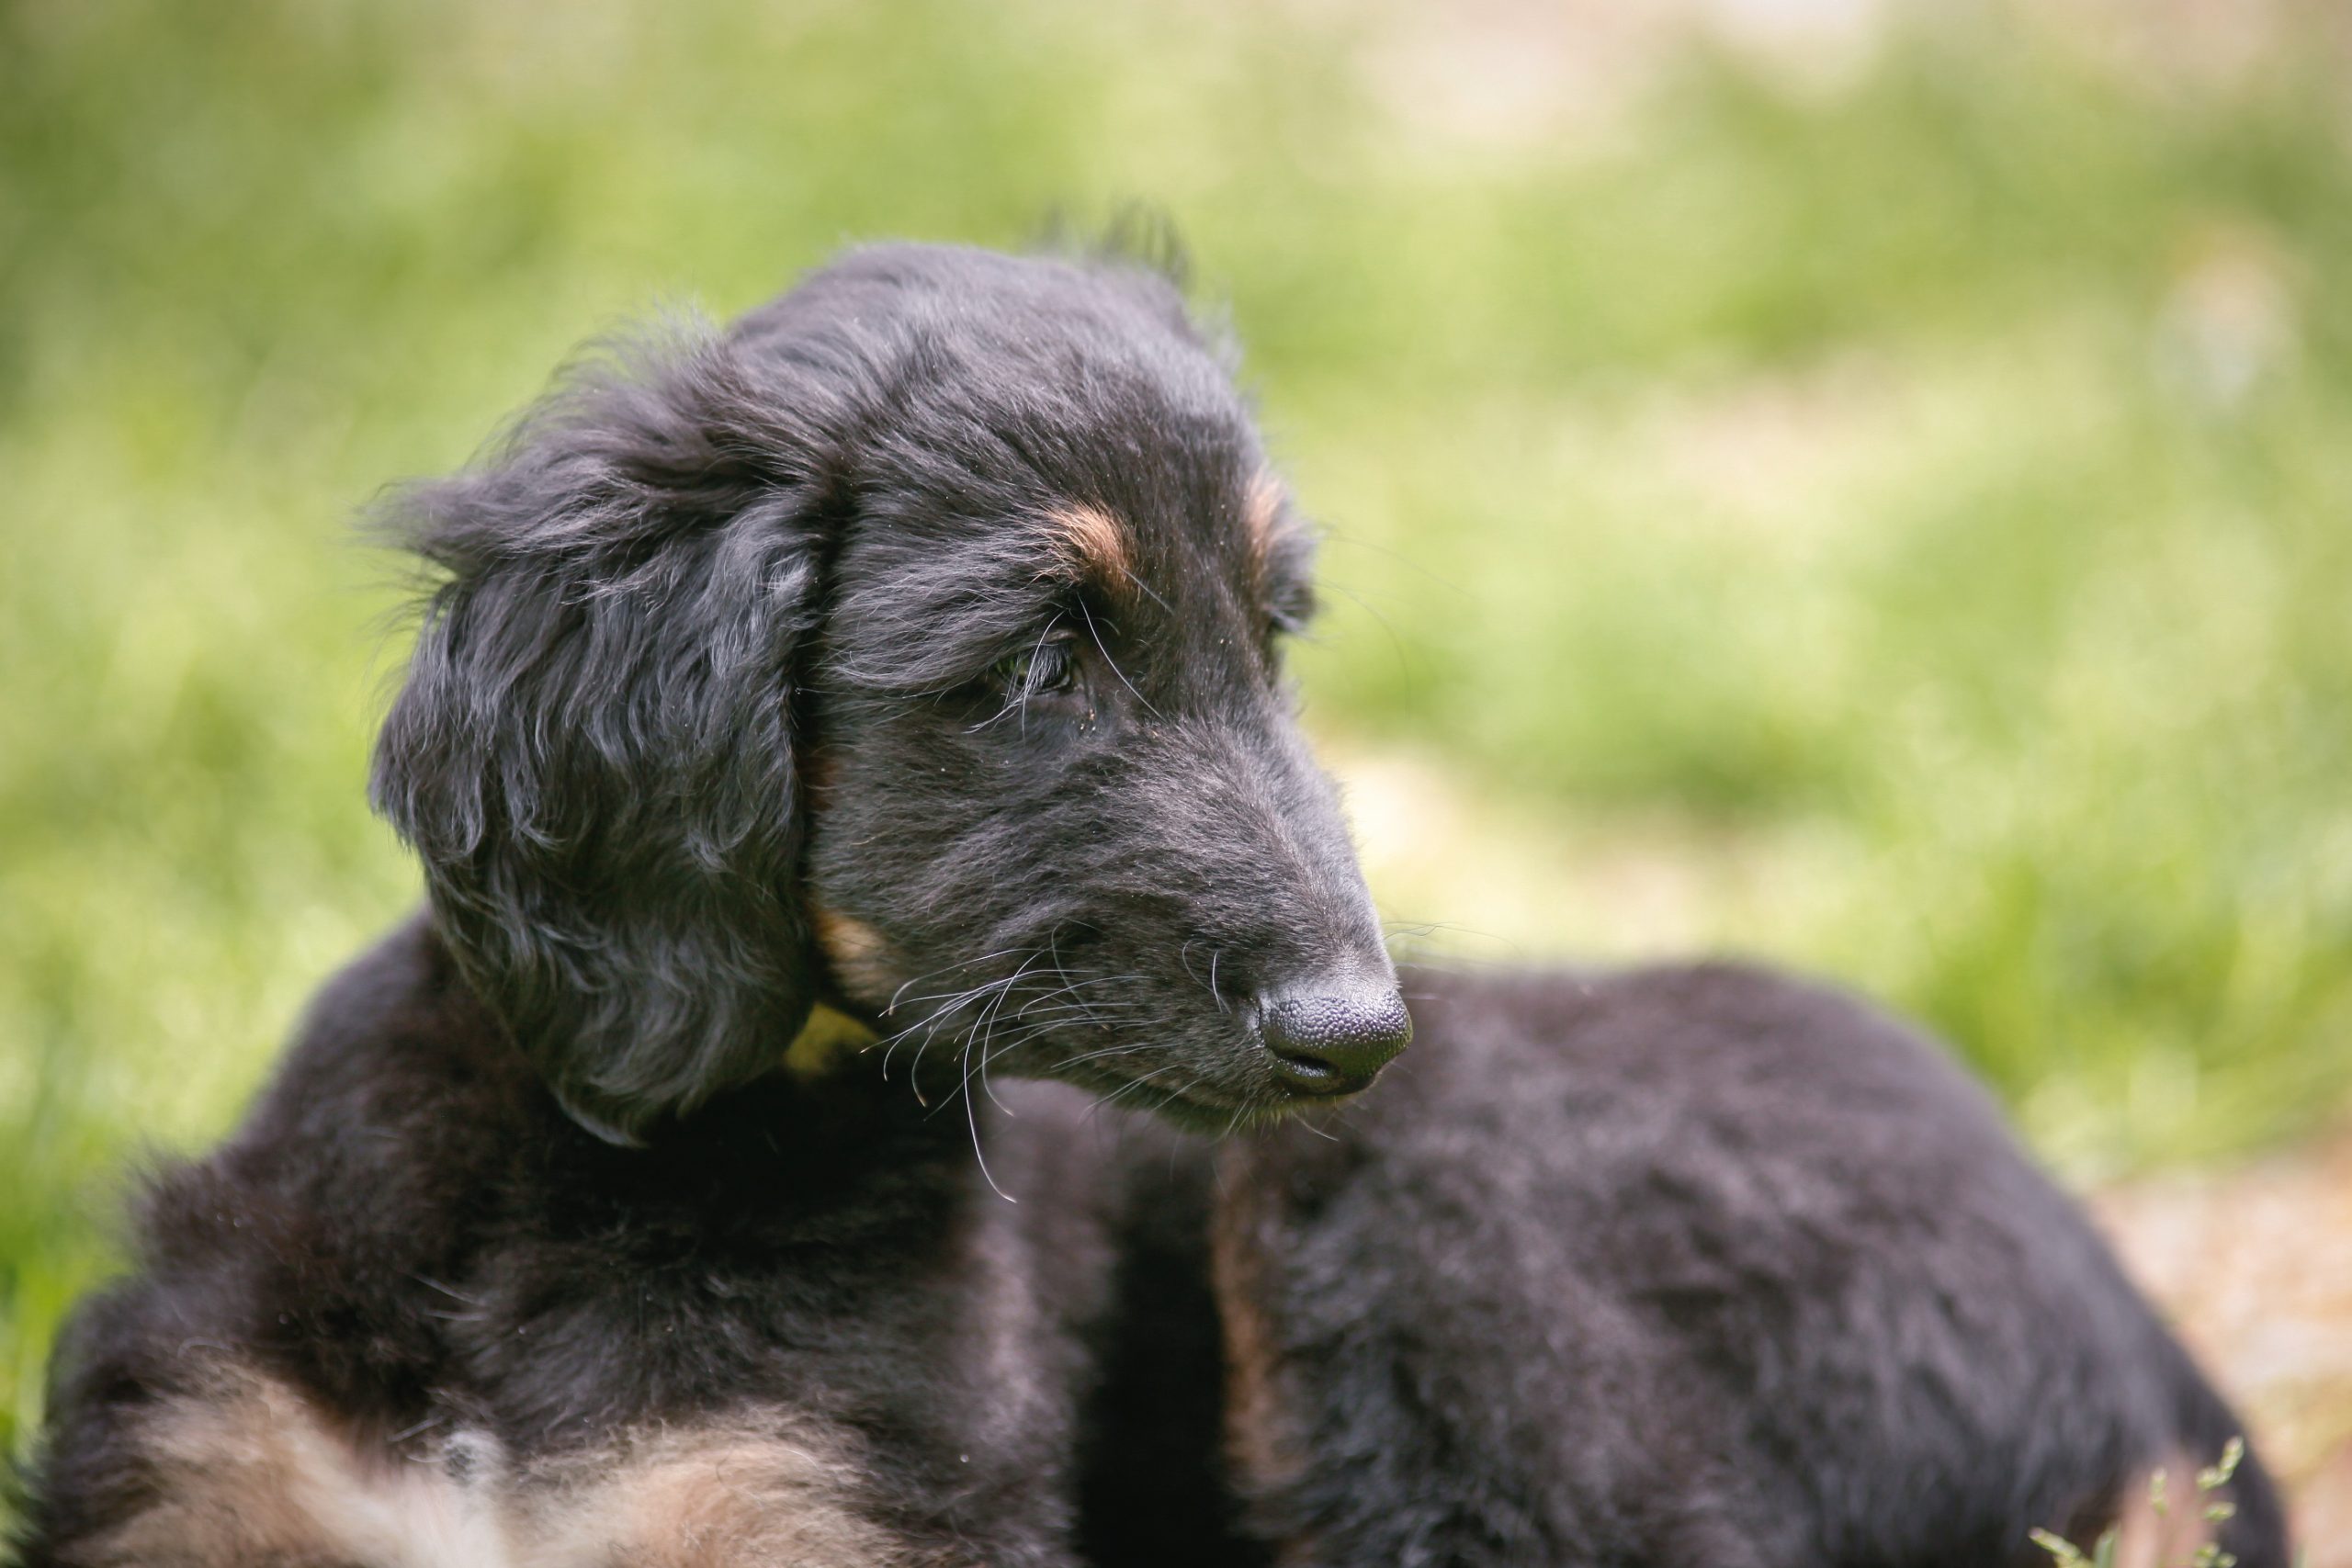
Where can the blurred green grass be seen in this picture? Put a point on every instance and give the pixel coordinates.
(1926, 492)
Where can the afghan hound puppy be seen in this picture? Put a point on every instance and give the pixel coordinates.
(815, 725)
(898, 668)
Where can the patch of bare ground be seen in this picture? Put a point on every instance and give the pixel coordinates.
(2255, 1266)
(1501, 75)
(1482, 881)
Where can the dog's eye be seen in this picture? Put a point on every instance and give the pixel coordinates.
(1042, 668)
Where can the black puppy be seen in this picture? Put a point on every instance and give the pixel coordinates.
(912, 648)
(1692, 1266)
(910, 651)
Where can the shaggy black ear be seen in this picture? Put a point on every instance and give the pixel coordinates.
(593, 750)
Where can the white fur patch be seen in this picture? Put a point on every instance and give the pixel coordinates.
(250, 1471)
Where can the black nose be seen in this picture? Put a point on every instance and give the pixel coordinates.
(1335, 1042)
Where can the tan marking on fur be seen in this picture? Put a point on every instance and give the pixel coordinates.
(1262, 1420)
(2147, 1538)
(2148, 1535)
(1094, 544)
(248, 1471)
(1261, 515)
(860, 955)
(730, 1496)
(1263, 1437)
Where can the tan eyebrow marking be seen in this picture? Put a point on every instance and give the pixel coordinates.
(1093, 544)
(1261, 513)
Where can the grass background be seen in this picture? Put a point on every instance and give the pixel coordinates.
(1876, 497)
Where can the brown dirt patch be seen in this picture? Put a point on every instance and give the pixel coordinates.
(2255, 1264)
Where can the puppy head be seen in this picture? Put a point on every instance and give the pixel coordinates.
(914, 646)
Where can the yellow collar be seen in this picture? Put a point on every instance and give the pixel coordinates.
(828, 1037)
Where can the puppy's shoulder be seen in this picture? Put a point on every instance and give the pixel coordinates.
(1720, 1024)
(394, 1040)
(351, 1174)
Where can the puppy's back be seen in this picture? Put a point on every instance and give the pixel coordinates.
(1693, 1264)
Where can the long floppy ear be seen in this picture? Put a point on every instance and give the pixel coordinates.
(592, 752)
